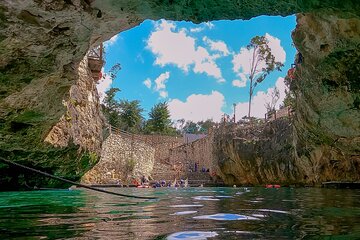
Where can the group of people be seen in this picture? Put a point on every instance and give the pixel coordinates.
(196, 166)
(158, 184)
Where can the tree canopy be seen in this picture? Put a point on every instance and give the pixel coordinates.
(262, 63)
(131, 115)
(111, 107)
(159, 119)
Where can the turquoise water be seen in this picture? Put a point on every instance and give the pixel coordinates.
(193, 213)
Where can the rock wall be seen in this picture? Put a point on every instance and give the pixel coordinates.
(83, 122)
(199, 151)
(327, 90)
(70, 147)
(256, 154)
(121, 161)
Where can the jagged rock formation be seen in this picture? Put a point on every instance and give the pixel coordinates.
(257, 153)
(82, 124)
(327, 89)
(43, 42)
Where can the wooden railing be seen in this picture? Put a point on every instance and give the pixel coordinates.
(283, 112)
(96, 61)
(96, 53)
(151, 140)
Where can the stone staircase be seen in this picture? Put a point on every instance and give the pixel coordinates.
(163, 171)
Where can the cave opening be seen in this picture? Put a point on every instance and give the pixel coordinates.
(200, 70)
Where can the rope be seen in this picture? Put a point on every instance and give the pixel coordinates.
(9, 162)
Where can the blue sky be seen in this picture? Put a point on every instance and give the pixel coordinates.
(199, 69)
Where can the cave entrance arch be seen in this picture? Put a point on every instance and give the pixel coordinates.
(42, 44)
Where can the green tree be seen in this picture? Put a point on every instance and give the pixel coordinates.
(205, 125)
(131, 115)
(111, 107)
(275, 95)
(261, 64)
(159, 119)
(191, 127)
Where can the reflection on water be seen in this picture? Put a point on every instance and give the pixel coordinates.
(192, 235)
(194, 213)
(226, 217)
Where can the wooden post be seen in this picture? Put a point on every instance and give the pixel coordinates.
(101, 51)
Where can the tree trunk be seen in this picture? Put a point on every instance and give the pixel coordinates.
(250, 95)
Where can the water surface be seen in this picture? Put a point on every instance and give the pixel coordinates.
(193, 213)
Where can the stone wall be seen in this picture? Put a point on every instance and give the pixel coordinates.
(122, 160)
(162, 144)
(199, 151)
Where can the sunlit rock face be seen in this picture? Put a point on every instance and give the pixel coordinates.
(327, 88)
(43, 42)
(257, 154)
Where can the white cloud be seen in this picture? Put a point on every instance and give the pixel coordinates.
(198, 107)
(103, 84)
(258, 108)
(111, 41)
(221, 80)
(160, 81)
(159, 85)
(176, 47)
(163, 94)
(239, 83)
(197, 29)
(219, 46)
(241, 61)
(210, 25)
(276, 48)
(147, 83)
(202, 27)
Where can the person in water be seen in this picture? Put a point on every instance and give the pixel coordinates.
(163, 183)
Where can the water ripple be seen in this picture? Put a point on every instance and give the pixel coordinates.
(192, 235)
(206, 198)
(226, 217)
(184, 213)
(186, 205)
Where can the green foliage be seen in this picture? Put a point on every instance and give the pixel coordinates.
(111, 107)
(159, 120)
(275, 95)
(130, 165)
(30, 117)
(126, 115)
(289, 100)
(261, 65)
(130, 115)
(206, 125)
(197, 128)
(114, 70)
(191, 127)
